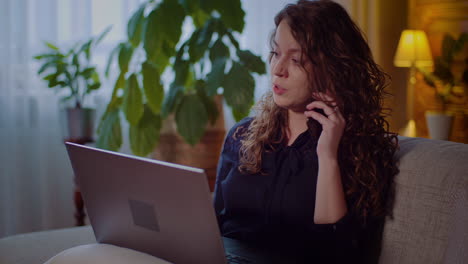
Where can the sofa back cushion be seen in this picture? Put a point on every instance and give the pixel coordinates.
(430, 223)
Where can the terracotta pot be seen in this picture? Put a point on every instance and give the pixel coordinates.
(204, 155)
(439, 124)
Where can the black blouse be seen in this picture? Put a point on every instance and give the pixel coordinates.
(276, 208)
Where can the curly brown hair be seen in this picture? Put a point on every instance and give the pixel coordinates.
(342, 64)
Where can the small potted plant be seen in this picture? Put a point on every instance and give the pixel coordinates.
(72, 70)
(449, 79)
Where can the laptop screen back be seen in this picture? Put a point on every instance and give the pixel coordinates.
(156, 207)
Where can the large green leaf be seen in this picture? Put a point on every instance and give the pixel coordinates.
(190, 82)
(232, 14)
(133, 102)
(239, 115)
(216, 76)
(208, 102)
(199, 17)
(191, 118)
(125, 55)
(172, 99)
(195, 52)
(110, 132)
(252, 62)
(200, 40)
(161, 36)
(239, 88)
(162, 60)
(145, 136)
(218, 49)
(181, 69)
(193, 9)
(119, 84)
(135, 25)
(154, 90)
(220, 28)
(172, 11)
(152, 38)
(189, 5)
(208, 5)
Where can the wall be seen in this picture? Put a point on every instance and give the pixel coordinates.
(382, 22)
(437, 18)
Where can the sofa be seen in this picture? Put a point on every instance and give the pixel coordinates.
(429, 223)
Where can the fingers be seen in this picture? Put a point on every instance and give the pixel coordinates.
(323, 120)
(328, 110)
(333, 120)
(327, 103)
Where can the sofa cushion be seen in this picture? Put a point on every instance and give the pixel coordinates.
(103, 254)
(38, 247)
(457, 248)
(430, 204)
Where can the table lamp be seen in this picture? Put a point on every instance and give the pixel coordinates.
(412, 52)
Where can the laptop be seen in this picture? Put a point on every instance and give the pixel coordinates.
(155, 207)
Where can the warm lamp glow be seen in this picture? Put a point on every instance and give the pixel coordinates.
(413, 50)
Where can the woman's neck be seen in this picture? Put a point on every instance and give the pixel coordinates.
(297, 125)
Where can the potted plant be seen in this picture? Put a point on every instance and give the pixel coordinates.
(72, 70)
(210, 58)
(449, 79)
(204, 66)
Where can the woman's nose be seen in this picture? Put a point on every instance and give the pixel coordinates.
(280, 69)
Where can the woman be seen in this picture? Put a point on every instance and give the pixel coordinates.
(311, 172)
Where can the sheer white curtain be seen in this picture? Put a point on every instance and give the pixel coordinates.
(36, 180)
(35, 174)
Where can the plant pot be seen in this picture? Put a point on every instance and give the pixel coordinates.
(439, 124)
(204, 155)
(79, 124)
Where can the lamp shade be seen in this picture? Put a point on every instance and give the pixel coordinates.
(413, 50)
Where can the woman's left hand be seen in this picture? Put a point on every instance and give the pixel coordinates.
(333, 125)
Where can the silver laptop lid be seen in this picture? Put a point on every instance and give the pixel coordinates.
(155, 207)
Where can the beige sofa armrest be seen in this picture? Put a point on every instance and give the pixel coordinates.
(432, 174)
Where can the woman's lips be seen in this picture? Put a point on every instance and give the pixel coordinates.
(278, 90)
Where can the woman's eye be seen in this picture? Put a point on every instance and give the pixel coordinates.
(274, 53)
(295, 60)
